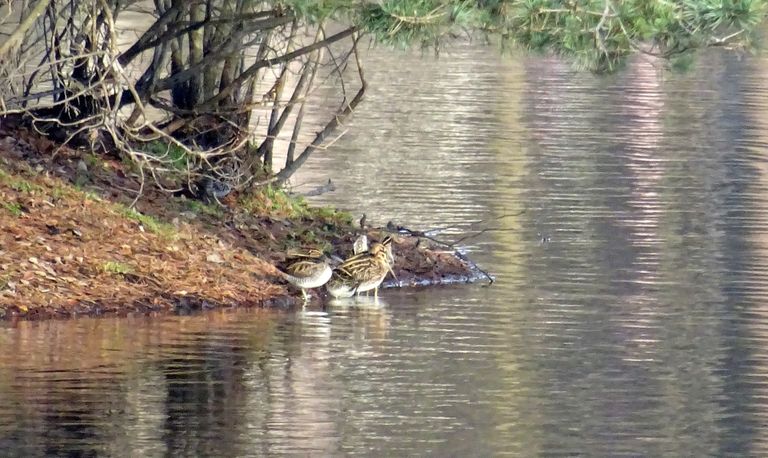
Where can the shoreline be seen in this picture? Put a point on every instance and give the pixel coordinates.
(71, 245)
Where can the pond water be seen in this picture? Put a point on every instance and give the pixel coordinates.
(626, 228)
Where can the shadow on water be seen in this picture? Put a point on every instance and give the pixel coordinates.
(628, 315)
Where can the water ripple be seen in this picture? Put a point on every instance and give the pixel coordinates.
(628, 315)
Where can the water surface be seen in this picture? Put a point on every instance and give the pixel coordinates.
(629, 243)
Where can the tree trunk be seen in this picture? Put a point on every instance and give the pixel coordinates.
(312, 71)
(196, 45)
(179, 92)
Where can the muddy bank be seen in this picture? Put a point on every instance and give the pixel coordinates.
(71, 245)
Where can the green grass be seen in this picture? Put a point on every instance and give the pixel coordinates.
(172, 154)
(275, 201)
(114, 267)
(90, 195)
(281, 201)
(331, 214)
(18, 184)
(14, 208)
(148, 222)
(93, 161)
(58, 193)
(79, 188)
(278, 203)
(5, 280)
(25, 186)
(202, 208)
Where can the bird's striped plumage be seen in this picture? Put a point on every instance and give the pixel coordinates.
(307, 270)
(362, 272)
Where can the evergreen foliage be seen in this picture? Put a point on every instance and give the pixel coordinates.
(597, 34)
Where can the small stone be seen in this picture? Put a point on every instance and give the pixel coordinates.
(214, 258)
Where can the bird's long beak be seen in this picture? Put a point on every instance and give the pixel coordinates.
(333, 260)
(391, 271)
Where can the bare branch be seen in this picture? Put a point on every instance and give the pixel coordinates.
(16, 37)
(334, 123)
(253, 69)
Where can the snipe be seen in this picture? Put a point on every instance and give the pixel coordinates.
(362, 272)
(341, 284)
(307, 270)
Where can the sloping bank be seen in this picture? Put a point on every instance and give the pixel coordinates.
(71, 246)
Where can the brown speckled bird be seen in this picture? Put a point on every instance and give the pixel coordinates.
(362, 272)
(307, 270)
